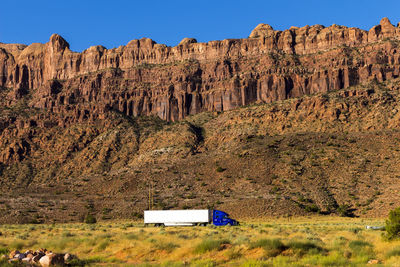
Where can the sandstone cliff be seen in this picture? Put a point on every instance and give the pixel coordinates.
(145, 78)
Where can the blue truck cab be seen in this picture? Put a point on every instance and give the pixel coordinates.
(221, 218)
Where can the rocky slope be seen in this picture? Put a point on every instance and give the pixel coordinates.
(90, 132)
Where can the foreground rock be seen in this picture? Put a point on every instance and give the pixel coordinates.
(52, 259)
(40, 257)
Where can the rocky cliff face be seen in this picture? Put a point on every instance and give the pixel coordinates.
(145, 78)
(72, 134)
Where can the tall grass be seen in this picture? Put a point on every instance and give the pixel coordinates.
(393, 252)
(298, 242)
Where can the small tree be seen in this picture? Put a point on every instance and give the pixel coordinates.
(90, 219)
(345, 211)
(393, 224)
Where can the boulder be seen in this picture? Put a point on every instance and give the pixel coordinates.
(27, 260)
(13, 253)
(37, 257)
(41, 251)
(373, 261)
(19, 256)
(29, 252)
(29, 255)
(52, 259)
(68, 257)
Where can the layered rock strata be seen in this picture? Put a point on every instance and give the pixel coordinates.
(146, 78)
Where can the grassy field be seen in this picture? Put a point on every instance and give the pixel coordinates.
(313, 241)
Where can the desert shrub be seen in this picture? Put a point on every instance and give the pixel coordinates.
(393, 225)
(17, 245)
(333, 259)
(393, 252)
(90, 219)
(304, 247)
(355, 230)
(357, 245)
(233, 254)
(131, 236)
(345, 211)
(67, 234)
(272, 247)
(137, 215)
(209, 245)
(311, 208)
(220, 169)
(183, 236)
(168, 247)
(362, 251)
(4, 251)
(241, 240)
(103, 245)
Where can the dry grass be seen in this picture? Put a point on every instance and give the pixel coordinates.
(313, 241)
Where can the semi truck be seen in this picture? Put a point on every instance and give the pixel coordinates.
(187, 218)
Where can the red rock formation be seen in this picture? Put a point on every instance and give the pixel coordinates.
(144, 78)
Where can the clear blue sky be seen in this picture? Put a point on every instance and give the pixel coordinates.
(85, 23)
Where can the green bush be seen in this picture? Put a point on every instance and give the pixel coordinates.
(393, 224)
(90, 219)
(209, 245)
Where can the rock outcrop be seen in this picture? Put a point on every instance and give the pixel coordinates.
(40, 257)
(146, 78)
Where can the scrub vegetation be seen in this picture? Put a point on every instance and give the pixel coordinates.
(301, 241)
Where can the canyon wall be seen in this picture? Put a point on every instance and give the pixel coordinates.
(146, 78)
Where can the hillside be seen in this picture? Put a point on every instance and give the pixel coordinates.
(258, 127)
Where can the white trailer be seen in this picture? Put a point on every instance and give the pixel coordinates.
(177, 217)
